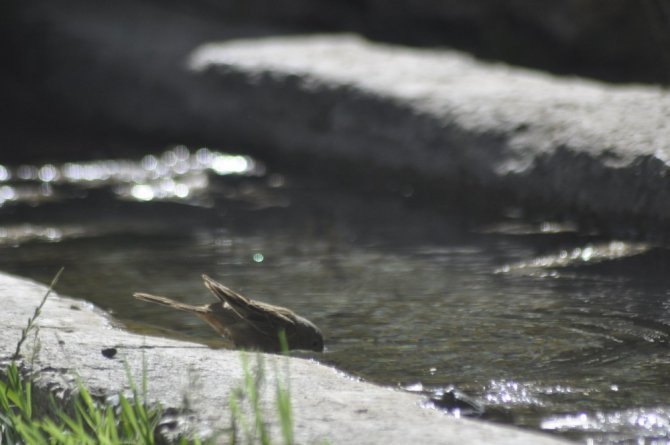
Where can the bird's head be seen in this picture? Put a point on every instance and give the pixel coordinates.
(307, 336)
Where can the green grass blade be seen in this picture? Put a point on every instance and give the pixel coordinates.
(285, 413)
(128, 416)
(38, 311)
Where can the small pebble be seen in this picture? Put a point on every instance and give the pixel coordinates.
(109, 352)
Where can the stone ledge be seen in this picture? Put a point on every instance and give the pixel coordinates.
(578, 144)
(327, 403)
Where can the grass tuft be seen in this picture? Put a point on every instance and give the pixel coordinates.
(132, 420)
(283, 396)
(247, 398)
(91, 422)
(38, 310)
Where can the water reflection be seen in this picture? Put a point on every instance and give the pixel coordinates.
(618, 426)
(17, 234)
(510, 393)
(590, 253)
(4, 174)
(176, 174)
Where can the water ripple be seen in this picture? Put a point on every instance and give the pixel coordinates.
(176, 174)
(588, 254)
(615, 426)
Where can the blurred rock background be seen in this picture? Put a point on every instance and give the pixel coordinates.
(611, 40)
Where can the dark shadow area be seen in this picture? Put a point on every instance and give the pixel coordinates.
(55, 54)
(616, 41)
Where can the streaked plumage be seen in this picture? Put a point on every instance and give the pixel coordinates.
(248, 323)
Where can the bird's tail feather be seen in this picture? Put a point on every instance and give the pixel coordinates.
(163, 301)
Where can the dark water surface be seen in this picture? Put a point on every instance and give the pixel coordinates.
(546, 327)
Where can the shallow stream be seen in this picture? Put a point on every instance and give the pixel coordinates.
(545, 327)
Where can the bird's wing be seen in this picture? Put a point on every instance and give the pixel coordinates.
(248, 309)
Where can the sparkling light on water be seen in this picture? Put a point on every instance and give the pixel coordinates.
(225, 164)
(17, 234)
(175, 174)
(579, 255)
(511, 392)
(258, 257)
(655, 422)
(142, 192)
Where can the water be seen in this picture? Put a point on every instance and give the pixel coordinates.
(546, 327)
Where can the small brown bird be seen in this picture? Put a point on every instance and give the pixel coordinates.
(249, 324)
